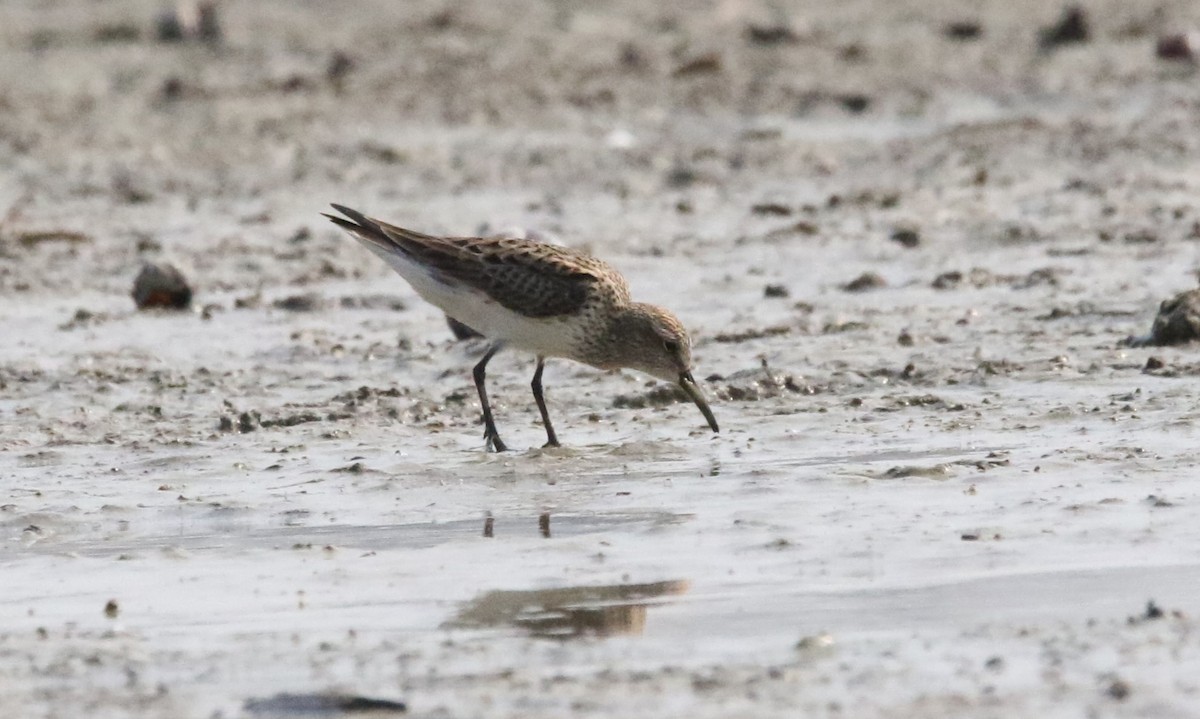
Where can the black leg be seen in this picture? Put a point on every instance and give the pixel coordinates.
(551, 439)
(489, 425)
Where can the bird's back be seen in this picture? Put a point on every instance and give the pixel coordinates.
(466, 276)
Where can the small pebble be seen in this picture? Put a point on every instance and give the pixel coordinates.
(161, 286)
(1177, 322)
(865, 281)
(963, 30)
(906, 237)
(1180, 47)
(1072, 27)
(1118, 689)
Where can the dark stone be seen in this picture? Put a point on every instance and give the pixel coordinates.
(1072, 27)
(1177, 322)
(161, 287)
(1178, 48)
(963, 30)
(906, 237)
(864, 282)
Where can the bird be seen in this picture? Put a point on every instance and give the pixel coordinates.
(551, 301)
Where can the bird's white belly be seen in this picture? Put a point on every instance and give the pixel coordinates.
(551, 337)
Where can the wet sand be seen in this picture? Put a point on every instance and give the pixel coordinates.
(944, 485)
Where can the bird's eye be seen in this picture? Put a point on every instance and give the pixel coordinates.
(671, 346)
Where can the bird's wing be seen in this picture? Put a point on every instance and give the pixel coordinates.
(532, 278)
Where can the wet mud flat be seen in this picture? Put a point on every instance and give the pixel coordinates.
(911, 242)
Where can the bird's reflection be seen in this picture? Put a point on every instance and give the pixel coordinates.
(568, 612)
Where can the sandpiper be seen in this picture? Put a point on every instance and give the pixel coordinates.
(548, 300)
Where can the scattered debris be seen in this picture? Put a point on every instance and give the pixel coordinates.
(172, 89)
(1047, 276)
(161, 286)
(249, 302)
(1144, 236)
(979, 278)
(251, 420)
(117, 32)
(834, 328)
(338, 69)
(852, 52)
(1072, 27)
(753, 385)
(906, 237)
(681, 176)
(753, 334)
(84, 318)
(1156, 501)
(1082, 309)
(815, 643)
(932, 401)
(947, 280)
(744, 386)
(963, 30)
(854, 102)
(127, 188)
(803, 227)
(32, 239)
(323, 705)
(373, 302)
(1180, 47)
(936, 471)
(771, 33)
(706, 64)
(365, 393)
(771, 208)
(381, 153)
(880, 199)
(1117, 688)
(295, 82)
(991, 461)
(246, 422)
(660, 396)
(864, 282)
(1177, 322)
(307, 302)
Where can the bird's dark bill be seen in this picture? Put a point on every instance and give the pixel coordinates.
(689, 386)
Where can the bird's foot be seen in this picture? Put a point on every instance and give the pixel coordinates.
(494, 442)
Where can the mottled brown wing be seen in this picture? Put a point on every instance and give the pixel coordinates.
(531, 278)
